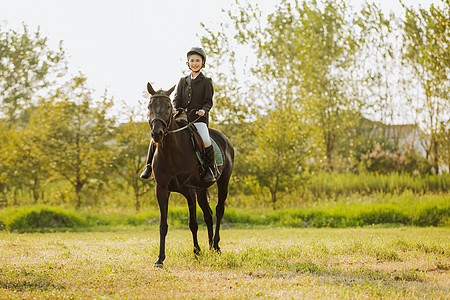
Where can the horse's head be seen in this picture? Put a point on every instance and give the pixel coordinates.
(159, 112)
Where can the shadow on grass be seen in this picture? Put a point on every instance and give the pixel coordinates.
(264, 265)
(27, 281)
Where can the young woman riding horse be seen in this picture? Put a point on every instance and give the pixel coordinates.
(194, 94)
(174, 163)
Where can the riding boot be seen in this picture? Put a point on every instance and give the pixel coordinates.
(148, 168)
(210, 165)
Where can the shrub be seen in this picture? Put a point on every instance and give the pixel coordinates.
(383, 161)
(43, 218)
(432, 216)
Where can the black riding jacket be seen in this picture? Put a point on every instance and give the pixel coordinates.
(193, 95)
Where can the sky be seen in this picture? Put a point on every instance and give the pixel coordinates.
(121, 45)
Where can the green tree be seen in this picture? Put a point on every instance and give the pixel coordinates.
(27, 65)
(4, 167)
(74, 135)
(132, 141)
(305, 49)
(279, 158)
(24, 168)
(381, 74)
(427, 43)
(444, 144)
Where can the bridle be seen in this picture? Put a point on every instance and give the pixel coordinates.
(166, 124)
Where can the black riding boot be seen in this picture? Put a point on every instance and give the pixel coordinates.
(210, 164)
(148, 168)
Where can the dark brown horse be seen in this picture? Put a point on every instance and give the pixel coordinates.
(176, 169)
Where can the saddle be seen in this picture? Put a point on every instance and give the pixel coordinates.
(197, 141)
(199, 147)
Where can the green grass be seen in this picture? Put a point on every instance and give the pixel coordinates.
(406, 209)
(392, 263)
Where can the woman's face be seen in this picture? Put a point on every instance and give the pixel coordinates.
(195, 62)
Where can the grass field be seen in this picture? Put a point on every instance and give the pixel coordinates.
(357, 263)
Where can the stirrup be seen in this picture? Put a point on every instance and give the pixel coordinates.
(209, 176)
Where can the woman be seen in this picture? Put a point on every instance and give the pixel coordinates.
(195, 95)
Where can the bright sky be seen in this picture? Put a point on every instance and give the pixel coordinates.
(120, 45)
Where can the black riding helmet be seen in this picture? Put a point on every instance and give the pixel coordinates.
(199, 51)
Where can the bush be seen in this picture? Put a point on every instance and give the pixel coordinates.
(42, 219)
(432, 216)
(383, 161)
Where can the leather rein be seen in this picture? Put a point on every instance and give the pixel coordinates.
(167, 124)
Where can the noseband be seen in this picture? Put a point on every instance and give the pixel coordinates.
(165, 124)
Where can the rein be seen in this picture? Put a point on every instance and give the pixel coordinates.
(184, 127)
(167, 124)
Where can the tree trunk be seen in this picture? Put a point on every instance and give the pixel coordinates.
(138, 203)
(78, 188)
(36, 189)
(273, 194)
(436, 157)
(329, 151)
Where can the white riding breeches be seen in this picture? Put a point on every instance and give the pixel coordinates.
(204, 133)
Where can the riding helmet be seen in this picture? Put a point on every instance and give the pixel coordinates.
(199, 51)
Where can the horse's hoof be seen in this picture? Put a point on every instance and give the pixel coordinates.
(217, 250)
(196, 251)
(158, 265)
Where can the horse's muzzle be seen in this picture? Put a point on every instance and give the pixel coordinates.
(157, 135)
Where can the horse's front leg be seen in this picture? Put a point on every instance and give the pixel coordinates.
(193, 225)
(163, 201)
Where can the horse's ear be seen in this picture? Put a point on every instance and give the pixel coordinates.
(170, 91)
(150, 89)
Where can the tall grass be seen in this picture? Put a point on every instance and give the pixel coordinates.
(323, 185)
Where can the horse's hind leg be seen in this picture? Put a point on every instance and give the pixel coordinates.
(193, 225)
(222, 185)
(207, 214)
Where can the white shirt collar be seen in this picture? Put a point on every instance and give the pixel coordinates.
(192, 78)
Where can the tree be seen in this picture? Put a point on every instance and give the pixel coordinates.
(24, 168)
(74, 134)
(132, 141)
(27, 66)
(304, 50)
(381, 75)
(427, 43)
(4, 167)
(279, 158)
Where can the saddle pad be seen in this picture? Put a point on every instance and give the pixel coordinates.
(217, 153)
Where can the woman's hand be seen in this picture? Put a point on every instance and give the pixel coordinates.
(174, 111)
(200, 112)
